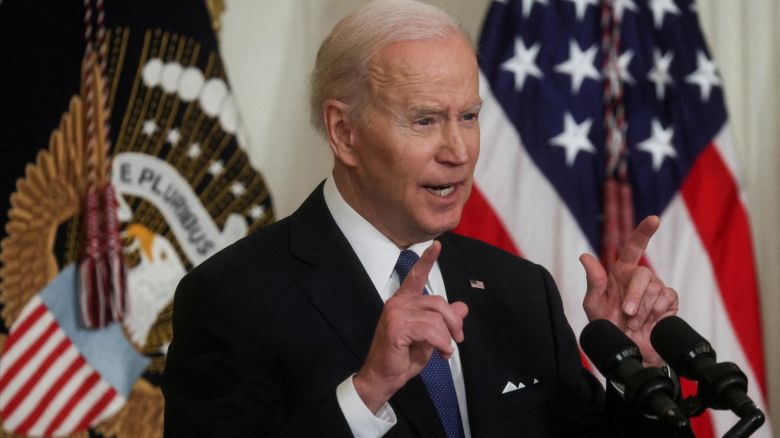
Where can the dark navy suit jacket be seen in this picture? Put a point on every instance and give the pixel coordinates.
(265, 330)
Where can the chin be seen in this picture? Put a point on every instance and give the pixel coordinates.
(443, 223)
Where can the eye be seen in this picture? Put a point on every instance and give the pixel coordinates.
(471, 117)
(427, 121)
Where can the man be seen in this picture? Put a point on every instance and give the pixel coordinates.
(285, 332)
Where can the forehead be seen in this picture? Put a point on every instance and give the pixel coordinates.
(425, 69)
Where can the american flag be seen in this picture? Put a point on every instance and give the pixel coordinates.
(584, 94)
(56, 377)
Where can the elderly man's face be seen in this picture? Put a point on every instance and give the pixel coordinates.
(418, 142)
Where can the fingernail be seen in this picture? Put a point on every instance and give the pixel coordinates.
(630, 307)
(634, 324)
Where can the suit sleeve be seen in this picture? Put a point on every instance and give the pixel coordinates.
(221, 378)
(586, 411)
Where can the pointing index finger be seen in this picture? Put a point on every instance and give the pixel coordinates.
(634, 249)
(418, 275)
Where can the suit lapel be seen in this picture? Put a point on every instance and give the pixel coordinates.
(335, 282)
(332, 277)
(458, 271)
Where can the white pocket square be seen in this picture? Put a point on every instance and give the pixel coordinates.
(512, 387)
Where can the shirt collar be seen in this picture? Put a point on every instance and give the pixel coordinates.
(376, 252)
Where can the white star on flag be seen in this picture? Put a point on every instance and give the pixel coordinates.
(620, 74)
(216, 168)
(150, 127)
(173, 137)
(659, 145)
(194, 151)
(579, 65)
(237, 189)
(705, 76)
(623, 61)
(623, 5)
(529, 4)
(256, 212)
(523, 64)
(660, 8)
(538, 159)
(574, 138)
(659, 74)
(581, 5)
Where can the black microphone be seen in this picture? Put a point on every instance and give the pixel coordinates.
(720, 385)
(617, 357)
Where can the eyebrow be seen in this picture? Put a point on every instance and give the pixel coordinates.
(476, 107)
(425, 110)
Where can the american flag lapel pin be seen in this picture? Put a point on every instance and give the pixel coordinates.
(477, 284)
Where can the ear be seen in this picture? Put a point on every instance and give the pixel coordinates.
(340, 127)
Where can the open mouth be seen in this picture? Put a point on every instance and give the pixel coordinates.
(442, 190)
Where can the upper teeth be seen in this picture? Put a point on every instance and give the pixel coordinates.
(442, 191)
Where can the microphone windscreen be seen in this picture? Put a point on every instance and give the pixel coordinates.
(674, 340)
(604, 343)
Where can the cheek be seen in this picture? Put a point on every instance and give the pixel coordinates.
(474, 142)
(395, 179)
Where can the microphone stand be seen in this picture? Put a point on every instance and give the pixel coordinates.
(722, 383)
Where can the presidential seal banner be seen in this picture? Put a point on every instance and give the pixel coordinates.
(184, 187)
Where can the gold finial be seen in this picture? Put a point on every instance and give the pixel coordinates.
(216, 8)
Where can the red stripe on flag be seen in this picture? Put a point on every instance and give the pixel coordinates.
(47, 399)
(28, 354)
(85, 387)
(712, 197)
(33, 380)
(18, 332)
(479, 221)
(97, 408)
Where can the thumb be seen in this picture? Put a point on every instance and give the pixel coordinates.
(595, 276)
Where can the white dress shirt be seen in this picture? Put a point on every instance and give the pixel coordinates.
(378, 256)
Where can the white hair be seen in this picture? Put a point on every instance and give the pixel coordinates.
(341, 69)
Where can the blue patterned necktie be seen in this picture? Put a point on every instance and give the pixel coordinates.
(436, 375)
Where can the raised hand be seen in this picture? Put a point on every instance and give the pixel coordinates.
(631, 296)
(411, 326)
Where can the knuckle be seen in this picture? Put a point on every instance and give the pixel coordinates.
(393, 303)
(588, 304)
(438, 319)
(590, 308)
(438, 300)
(392, 309)
(436, 304)
(392, 326)
(643, 271)
(654, 290)
(660, 308)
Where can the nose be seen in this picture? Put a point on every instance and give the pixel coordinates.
(455, 145)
